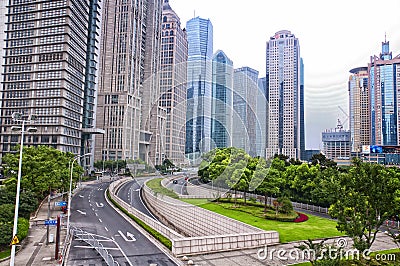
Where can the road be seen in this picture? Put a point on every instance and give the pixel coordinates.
(91, 213)
(180, 186)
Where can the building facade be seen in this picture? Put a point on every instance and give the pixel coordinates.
(245, 91)
(384, 85)
(129, 61)
(199, 88)
(47, 72)
(336, 144)
(360, 118)
(222, 101)
(173, 77)
(284, 95)
(261, 122)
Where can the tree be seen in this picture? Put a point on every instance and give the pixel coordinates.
(369, 194)
(43, 169)
(321, 159)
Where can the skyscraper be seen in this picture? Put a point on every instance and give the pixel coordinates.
(198, 113)
(261, 115)
(125, 80)
(222, 101)
(384, 86)
(173, 77)
(284, 95)
(360, 125)
(245, 91)
(47, 73)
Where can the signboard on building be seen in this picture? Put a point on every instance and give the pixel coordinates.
(366, 149)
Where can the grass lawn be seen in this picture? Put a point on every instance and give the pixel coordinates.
(314, 228)
(155, 185)
(5, 254)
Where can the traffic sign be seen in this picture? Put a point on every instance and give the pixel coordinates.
(14, 240)
(50, 222)
(60, 203)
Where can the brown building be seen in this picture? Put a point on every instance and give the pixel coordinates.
(173, 76)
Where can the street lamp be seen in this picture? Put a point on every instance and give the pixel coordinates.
(70, 188)
(18, 118)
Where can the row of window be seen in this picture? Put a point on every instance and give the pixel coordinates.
(19, 51)
(21, 34)
(48, 93)
(48, 84)
(53, 4)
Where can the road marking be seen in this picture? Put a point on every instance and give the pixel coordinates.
(81, 196)
(100, 205)
(100, 220)
(137, 189)
(106, 228)
(96, 214)
(89, 247)
(128, 235)
(81, 212)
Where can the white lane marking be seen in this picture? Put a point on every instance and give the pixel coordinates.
(100, 220)
(128, 235)
(100, 205)
(96, 214)
(81, 212)
(89, 247)
(106, 228)
(81, 196)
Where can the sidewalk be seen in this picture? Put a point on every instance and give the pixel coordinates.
(34, 250)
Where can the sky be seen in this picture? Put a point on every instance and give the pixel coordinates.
(335, 37)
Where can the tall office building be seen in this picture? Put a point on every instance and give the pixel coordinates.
(126, 84)
(384, 86)
(245, 90)
(284, 95)
(153, 116)
(173, 77)
(198, 113)
(222, 101)
(48, 71)
(360, 126)
(261, 115)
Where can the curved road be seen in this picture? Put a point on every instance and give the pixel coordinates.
(91, 213)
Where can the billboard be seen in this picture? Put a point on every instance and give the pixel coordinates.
(366, 149)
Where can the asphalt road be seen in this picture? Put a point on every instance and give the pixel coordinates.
(91, 213)
(180, 186)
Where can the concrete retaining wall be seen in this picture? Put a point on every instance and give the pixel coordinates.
(213, 232)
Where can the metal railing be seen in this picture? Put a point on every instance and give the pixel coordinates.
(93, 242)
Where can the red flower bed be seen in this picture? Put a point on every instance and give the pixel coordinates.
(301, 218)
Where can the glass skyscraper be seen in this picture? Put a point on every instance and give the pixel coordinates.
(384, 71)
(199, 88)
(222, 77)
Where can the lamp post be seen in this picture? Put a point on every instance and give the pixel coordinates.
(18, 118)
(70, 188)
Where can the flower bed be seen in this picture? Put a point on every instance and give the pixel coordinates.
(301, 218)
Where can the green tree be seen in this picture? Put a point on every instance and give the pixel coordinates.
(369, 194)
(44, 169)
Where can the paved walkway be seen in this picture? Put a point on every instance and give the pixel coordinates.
(34, 249)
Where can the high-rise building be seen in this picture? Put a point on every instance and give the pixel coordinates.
(198, 113)
(360, 126)
(129, 58)
(261, 117)
(384, 85)
(336, 144)
(284, 95)
(173, 77)
(49, 70)
(245, 90)
(222, 101)
(153, 115)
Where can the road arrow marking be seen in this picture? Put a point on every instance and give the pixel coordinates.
(81, 212)
(100, 205)
(128, 235)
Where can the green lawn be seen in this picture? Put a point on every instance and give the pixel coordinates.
(314, 228)
(155, 185)
(5, 254)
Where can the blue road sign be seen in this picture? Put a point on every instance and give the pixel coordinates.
(50, 222)
(60, 203)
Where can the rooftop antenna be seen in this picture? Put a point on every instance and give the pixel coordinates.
(194, 13)
(385, 36)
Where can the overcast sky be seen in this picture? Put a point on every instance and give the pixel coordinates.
(334, 36)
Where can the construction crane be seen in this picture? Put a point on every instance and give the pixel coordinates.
(347, 117)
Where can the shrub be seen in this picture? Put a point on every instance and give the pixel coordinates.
(285, 205)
